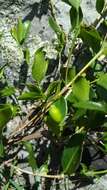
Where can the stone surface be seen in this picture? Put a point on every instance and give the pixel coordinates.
(99, 184)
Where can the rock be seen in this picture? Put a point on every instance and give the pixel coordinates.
(89, 11)
(99, 184)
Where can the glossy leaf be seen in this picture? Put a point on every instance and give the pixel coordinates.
(53, 126)
(30, 96)
(101, 93)
(91, 37)
(74, 3)
(15, 185)
(71, 155)
(14, 33)
(43, 169)
(104, 138)
(79, 113)
(34, 88)
(104, 47)
(81, 89)
(100, 5)
(59, 32)
(31, 157)
(52, 88)
(89, 105)
(58, 110)
(15, 110)
(20, 30)
(7, 91)
(1, 72)
(54, 25)
(102, 81)
(26, 28)
(75, 17)
(5, 115)
(1, 149)
(40, 66)
(71, 73)
(27, 56)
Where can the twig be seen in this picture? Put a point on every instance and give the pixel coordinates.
(36, 135)
(29, 122)
(60, 176)
(80, 73)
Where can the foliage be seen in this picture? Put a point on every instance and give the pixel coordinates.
(71, 108)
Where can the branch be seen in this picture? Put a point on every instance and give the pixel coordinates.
(61, 176)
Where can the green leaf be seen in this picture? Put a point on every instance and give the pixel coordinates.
(20, 31)
(34, 88)
(5, 115)
(91, 37)
(31, 157)
(14, 33)
(1, 72)
(40, 66)
(81, 89)
(104, 47)
(68, 75)
(74, 3)
(6, 187)
(7, 91)
(55, 127)
(102, 80)
(34, 94)
(100, 5)
(16, 185)
(79, 113)
(27, 56)
(101, 93)
(59, 32)
(52, 88)
(58, 110)
(1, 34)
(44, 169)
(75, 17)
(104, 138)
(28, 147)
(90, 105)
(71, 155)
(56, 28)
(30, 96)
(26, 28)
(1, 149)
(15, 110)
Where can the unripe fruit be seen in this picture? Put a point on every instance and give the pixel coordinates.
(55, 114)
(58, 110)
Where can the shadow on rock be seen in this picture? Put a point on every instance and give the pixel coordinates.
(38, 10)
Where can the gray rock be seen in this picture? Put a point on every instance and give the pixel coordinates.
(89, 11)
(99, 184)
